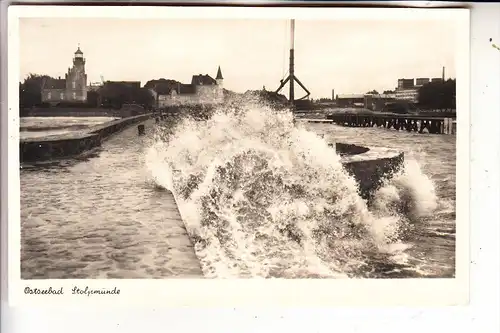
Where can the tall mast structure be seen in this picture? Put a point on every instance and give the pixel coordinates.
(291, 76)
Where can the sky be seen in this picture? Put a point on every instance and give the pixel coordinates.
(346, 55)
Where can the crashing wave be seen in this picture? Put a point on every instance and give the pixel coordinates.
(261, 197)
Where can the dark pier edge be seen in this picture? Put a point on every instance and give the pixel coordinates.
(72, 145)
(346, 149)
(369, 172)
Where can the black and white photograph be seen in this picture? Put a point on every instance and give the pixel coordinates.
(282, 147)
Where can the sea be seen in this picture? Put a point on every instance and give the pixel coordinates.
(259, 197)
(41, 127)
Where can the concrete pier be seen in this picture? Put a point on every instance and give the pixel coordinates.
(72, 144)
(183, 262)
(130, 230)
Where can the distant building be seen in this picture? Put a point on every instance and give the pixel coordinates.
(401, 107)
(94, 86)
(350, 100)
(407, 90)
(73, 88)
(367, 101)
(387, 97)
(421, 81)
(406, 83)
(380, 100)
(131, 84)
(111, 89)
(203, 89)
(410, 95)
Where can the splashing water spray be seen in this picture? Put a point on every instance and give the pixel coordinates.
(263, 197)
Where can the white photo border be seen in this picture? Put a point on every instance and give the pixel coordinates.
(255, 292)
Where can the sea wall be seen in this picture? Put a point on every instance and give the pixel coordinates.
(47, 149)
(72, 144)
(106, 129)
(370, 166)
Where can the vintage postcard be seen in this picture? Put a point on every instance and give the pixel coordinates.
(238, 156)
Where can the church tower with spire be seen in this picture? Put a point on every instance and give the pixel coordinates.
(76, 79)
(219, 78)
(220, 84)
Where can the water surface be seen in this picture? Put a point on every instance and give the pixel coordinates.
(42, 127)
(106, 217)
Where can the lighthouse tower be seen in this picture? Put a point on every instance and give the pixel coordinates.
(76, 79)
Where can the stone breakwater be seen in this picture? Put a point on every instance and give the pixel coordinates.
(370, 166)
(72, 144)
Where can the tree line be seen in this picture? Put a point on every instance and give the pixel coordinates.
(30, 90)
(115, 94)
(110, 95)
(438, 95)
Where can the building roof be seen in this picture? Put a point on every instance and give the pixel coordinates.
(136, 84)
(186, 89)
(219, 75)
(202, 80)
(383, 96)
(51, 83)
(406, 90)
(78, 51)
(386, 95)
(161, 86)
(166, 86)
(162, 89)
(346, 96)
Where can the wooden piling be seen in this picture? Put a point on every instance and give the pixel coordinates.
(141, 130)
(447, 126)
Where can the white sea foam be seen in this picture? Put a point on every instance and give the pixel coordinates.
(261, 197)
